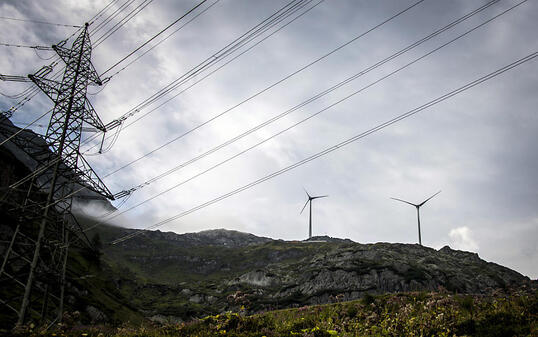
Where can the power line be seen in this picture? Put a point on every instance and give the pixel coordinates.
(25, 46)
(32, 91)
(164, 39)
(186, 79)
(308, 117)
(101, 12)
(40, 22)
(337, 146)
(268, 23)
(342, 83)
(111, 17)
(154, 37)
(24, 128)
(273, 19)
(116, 135)
(123, 21)
(273, 84)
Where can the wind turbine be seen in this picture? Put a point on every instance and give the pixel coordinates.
(310, 198)
(418, 212)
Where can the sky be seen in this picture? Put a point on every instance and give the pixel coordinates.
(478, 147)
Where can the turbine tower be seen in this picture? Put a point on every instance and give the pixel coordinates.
(310, 198)
(418, 212)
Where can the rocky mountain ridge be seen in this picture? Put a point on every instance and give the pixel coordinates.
(216, 273)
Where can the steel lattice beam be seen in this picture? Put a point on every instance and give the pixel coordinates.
(39, 224)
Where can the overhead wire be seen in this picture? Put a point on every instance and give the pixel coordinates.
(225, 63)
(308, 117)
(44, 58)
(285, 78)
(245, 37)
(117, 133)
(337, 146)
(101, 12)
(342, 83)
(111, 17)
(224, 52)
(120, 129)
(195, 70)
(24, 46)
(122, 22)
(164, 39)
(32, 91)
(154, 37)
(24, 128)
(39, 22)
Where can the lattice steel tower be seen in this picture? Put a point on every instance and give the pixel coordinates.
(43, 227)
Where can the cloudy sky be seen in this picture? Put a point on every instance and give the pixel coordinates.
(478, 147)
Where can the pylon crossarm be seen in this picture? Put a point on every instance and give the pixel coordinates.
(49, 87)
(91, 179)
(94, 76)
(92, 117)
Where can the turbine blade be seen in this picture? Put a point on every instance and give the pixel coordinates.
(407, 202)
(429, 198)
(306, 203)
(320, 196)
(309, 197)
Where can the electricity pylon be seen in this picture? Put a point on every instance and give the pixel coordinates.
(43, 227)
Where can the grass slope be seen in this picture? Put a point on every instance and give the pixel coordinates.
(512, 313)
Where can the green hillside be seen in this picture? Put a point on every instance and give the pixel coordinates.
(508, 313)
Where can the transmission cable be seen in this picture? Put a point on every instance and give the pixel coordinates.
(272, 85)
(336, 146)
(223, 53)
(24, 128)
(111, 17)
(154, 37)
(40, 22)
(342, 83)
(101, 12)
(210, 60)
(129, 192)
(154, 96)
(25, 46)
(164, 39)
(32, 91)
(287, 128)
(122, 22)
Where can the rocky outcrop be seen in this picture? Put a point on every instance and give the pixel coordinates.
(214, 237)
(357, 269)
(216, 272)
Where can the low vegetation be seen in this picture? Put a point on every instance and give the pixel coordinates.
(504, 313)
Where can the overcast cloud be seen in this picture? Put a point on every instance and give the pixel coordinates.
(479, 147)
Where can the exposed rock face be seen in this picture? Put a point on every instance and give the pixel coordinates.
(216, 271)
(213, 237)
(258, 278)
(358, 269)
